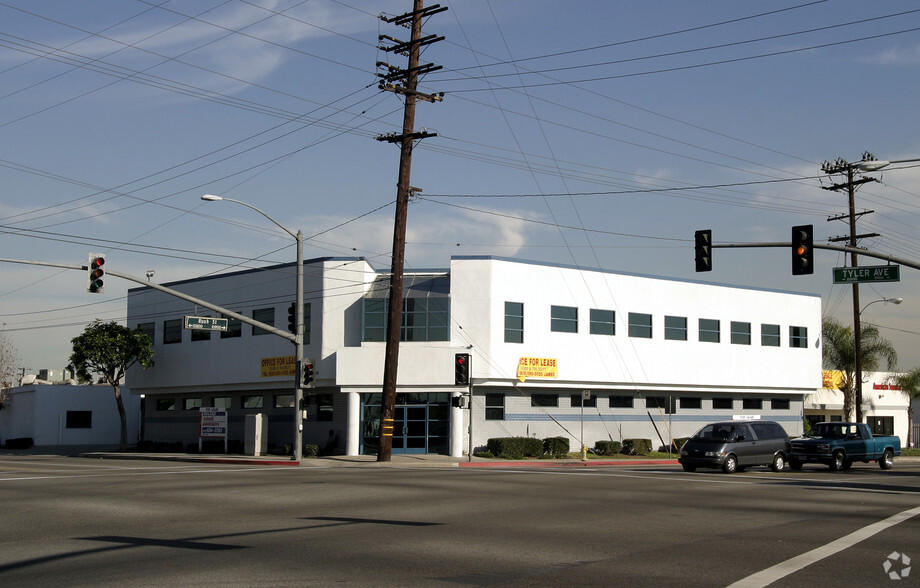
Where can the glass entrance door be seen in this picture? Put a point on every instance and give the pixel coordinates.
(420, 423)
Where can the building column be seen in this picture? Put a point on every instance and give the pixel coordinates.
(353, 424)
(457, 430)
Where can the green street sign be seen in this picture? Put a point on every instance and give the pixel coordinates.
(206, 323)
(869, 273)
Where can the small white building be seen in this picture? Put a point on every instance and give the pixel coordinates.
(884, 405)
(55, 415)
(656, 358)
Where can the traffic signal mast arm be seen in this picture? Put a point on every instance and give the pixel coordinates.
(225, 311)
(846, 249)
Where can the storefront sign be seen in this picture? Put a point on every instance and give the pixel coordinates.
(278, 366)
(536, 367)
(833, 379)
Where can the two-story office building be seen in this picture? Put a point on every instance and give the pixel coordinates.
(555, 351)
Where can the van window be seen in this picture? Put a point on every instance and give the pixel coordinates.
(768, 430)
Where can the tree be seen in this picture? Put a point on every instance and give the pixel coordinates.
(839, 353)
(910, 386)
(9, 361)
(109, 349)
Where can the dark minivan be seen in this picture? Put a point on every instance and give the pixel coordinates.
(734, 445)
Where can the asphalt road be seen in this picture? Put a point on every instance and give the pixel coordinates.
(99, 522)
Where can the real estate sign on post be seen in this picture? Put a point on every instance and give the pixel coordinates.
(213, 423)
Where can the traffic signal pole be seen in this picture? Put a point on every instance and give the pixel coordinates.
(154, 286)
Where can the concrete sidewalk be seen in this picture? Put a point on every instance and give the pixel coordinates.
(413, 460)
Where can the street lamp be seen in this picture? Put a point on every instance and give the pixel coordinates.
(298, 317)
(857, 341)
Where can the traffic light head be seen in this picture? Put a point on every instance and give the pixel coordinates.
(292, 318)
(462, 368)
(306, 374)
(703, 241)
(802, 250)
(96, 273)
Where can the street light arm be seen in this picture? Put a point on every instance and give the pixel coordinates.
(885, 300)
(297, 449)
(214, 198)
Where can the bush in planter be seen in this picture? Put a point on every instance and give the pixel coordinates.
(637, 446)
(606, 447)
(515, 447)
(556, 447)
(310, 450)
(20, 443)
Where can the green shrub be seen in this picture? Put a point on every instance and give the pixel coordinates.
(515, 447)
(606, 447)
(679, 442)
(556, 447)
(310, 450)
(485, 454)
(19, 443)
(637, 446)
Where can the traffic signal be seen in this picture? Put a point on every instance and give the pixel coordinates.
(292, 318)
(462, 368)
(802, 241)
(306, 374)
(95, 273)
(703, 250)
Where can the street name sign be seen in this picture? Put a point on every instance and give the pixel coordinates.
(206, 323)
(869, 273)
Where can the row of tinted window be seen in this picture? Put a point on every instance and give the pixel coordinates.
(172, 328)
(564, 319)
(323, 403)
(423, 319)
(495, 403)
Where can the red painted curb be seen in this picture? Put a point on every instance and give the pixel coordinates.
(289, 462)
(575, 464)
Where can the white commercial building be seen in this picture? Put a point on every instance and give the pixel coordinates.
(54, 415)
(884, 407)
(653, 358)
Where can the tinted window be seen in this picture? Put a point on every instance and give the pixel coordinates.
(768, 430)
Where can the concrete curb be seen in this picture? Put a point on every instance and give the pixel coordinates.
(401, 461)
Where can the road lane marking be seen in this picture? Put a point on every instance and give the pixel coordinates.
(790, 566)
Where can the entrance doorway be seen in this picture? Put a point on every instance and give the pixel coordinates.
(421, 423)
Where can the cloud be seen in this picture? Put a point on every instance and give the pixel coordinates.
(433, 235)
(895, 56)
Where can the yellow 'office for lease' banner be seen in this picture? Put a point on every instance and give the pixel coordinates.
(278, 366)
(536, 367)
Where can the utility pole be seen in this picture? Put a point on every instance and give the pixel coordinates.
(405, 82)
(842, 166)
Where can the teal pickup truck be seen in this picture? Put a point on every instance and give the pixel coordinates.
(838, 445)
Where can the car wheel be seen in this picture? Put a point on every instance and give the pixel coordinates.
(795, 465)
(838, 461)
(847, 464)
(887, 461)
(689, 468)
(730, 465)
(779, 462)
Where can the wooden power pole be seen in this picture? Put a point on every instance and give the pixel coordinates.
(405, 82)
(841, 166)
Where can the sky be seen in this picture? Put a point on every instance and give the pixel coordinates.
(599, 134)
